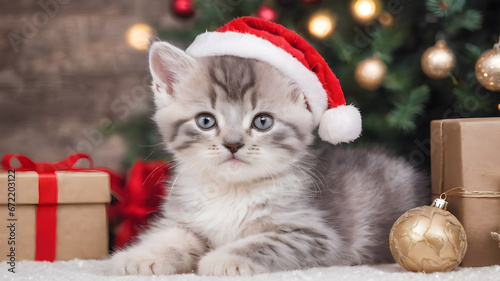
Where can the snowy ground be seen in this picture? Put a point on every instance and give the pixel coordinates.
(96, 270)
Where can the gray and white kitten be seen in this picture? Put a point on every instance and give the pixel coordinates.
(249, 195)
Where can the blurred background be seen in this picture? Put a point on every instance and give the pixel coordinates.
(74, 74)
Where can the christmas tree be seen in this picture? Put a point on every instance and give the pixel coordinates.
(403, 63)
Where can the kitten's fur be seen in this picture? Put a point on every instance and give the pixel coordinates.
(282, 205)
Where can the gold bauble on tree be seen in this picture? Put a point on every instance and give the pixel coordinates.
(488, 69)
(438, 60)
(370, 73)
(428, 239)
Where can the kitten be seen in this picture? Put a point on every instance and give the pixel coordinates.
(249, 194)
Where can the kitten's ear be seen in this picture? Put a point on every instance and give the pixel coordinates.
(168, 65)
(297, 96)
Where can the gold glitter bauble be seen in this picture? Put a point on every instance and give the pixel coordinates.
(428, 239)
(488, 69)
(370, 73)
(438, 60)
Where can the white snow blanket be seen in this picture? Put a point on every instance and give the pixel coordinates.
(97, 270)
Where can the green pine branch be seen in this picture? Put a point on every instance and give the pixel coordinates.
(457, 17)
(473, 52)
(343, 50)
(470, 20)
(443, 8)
(407, 107)
(397, 80)
(464, 92)
(385, 41)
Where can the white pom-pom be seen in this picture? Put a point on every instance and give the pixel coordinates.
(340, 124)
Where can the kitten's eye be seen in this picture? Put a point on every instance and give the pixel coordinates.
(263, 122)
(205, 121)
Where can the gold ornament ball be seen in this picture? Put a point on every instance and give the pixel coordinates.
(370, 73)
(428, 239)
(488, 69)
(438, 60)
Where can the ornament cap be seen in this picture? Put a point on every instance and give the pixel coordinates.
(497, 45)
(441, 44)
(440, 203)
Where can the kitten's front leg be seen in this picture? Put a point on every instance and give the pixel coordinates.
(160, 252)
(297, 248)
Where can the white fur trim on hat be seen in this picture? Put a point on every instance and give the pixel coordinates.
(250, 46)
(340, 124)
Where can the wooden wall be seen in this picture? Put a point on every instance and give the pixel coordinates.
(66, 71)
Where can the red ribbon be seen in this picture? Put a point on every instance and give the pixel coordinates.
(139, 200)
(46, 214)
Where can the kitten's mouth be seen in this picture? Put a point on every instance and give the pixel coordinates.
(233, 160)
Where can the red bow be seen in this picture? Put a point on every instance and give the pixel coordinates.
(44, 167)
(46, 214)
(139, 200)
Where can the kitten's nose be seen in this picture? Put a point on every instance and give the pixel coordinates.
(233, 147)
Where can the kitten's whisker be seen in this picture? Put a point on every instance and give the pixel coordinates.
(151, 145)
(316, 158)
(153, 172)
(274, 184)
(151, 153)
(294, 177)
(313, 178)
(177, 164)
(312, 161)
(312, 166)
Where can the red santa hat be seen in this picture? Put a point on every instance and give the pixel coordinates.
(255, 38)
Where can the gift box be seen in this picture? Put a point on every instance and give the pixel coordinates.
(465, 161)
(53, 211)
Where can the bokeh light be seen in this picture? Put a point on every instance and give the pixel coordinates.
(386, 19)
(138, 36)
(365, 10)
(321, 25)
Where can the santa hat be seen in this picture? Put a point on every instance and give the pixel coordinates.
(255, 38)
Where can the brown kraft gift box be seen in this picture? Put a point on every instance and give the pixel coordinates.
(466, 153)
(82, 228)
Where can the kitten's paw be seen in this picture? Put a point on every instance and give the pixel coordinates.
(140, 263)
(222, 264)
